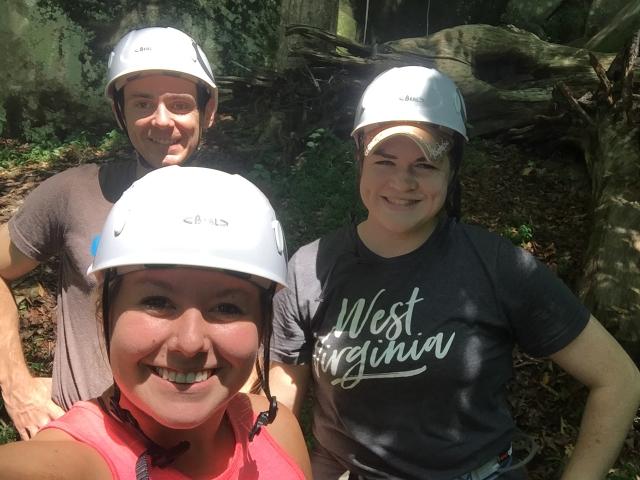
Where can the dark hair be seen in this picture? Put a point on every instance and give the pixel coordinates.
(453, 201)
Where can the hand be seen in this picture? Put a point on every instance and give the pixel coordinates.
(30, 406)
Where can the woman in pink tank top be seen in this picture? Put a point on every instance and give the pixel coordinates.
(188, 262)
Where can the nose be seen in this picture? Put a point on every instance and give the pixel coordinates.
(404, 179)
(162, 117)
(189, 334)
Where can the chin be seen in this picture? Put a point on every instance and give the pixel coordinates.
(173, 160)
(180, 418)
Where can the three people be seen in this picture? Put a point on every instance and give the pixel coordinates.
(405, 323)
(186, 268)
(163, 94)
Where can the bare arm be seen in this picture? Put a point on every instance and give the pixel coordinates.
(288, 383)
(286, 431)
(597, 360)
(27, 399)
(51, 455)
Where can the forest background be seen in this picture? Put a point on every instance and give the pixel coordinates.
(287, 101)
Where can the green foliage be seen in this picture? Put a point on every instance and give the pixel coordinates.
(7, 433)
(627, 471)
(519, 235)
(235, 35)
(80, 148)
(318, 193)
(113, 141)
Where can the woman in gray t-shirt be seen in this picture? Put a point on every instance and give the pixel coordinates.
(405, 323)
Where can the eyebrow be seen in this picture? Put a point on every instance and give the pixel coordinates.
(160, 283)
(382, 153)
(149, 96)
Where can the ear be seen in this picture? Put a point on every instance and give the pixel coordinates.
(210, 111)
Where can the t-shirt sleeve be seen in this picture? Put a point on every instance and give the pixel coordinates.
(544, 314)
(36, 229)
(292, 340)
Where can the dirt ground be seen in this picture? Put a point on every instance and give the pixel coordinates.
(540, 199)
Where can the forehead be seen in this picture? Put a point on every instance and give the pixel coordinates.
(156, 85)
(192, 279)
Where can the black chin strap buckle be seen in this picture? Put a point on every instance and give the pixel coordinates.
(264, 418)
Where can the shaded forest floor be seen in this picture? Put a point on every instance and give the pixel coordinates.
(539, 200)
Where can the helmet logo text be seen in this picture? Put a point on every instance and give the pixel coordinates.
(199, 220)
(142, 49)
(409, 98)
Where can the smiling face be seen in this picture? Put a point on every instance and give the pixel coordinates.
(184, 341)
(403, 188)
(162, 117)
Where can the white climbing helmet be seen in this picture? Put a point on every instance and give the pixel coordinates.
(412, 94)
(158, 49)
(197, 217)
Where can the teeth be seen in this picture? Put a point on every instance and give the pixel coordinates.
(182, 377)
(396, 201)
(166, 141)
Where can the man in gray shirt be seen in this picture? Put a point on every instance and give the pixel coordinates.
(163, 94)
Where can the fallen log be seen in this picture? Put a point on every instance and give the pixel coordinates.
(506, 75)
(607, 128)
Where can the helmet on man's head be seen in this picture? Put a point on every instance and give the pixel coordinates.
(158, 50)
(161, 50)
(198, 217)
(412, 94)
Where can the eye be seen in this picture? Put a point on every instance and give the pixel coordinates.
(425, 166)
(384, 162)
(182, 106)
(156, 303)
(228, 309)
(143, 104)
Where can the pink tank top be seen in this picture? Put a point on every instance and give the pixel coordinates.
(120, 445)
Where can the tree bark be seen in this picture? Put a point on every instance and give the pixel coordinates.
(322, 15)
(609, 132)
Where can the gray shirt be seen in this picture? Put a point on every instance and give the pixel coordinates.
(61, 217)
(410, 355)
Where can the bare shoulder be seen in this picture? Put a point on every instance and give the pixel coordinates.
(285, 429)
(52, 454)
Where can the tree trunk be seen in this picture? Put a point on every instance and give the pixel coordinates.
(611, 281)
(322, 15)
(609, 132)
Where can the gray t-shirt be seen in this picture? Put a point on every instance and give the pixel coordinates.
(60, 218)
(410, 355)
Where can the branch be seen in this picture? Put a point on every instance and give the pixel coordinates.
(573, 104)
(605, 84)
(627, 74)
(309, 31)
